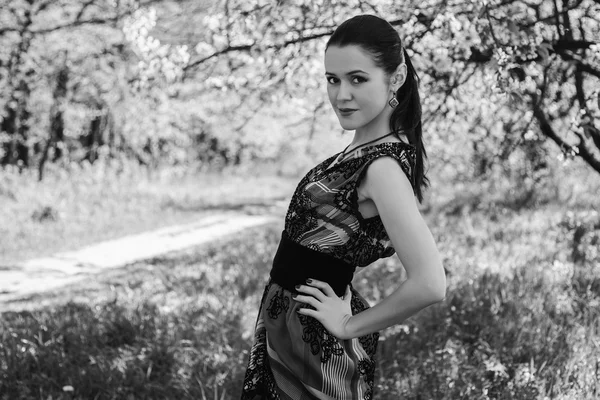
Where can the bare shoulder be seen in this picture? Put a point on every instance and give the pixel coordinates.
(385, 178)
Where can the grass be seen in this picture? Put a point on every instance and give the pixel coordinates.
(521, 319)
(180, 326)
(81, 205)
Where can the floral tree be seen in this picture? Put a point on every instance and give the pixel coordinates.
(68, 83)
(499, 79)
(496, 75)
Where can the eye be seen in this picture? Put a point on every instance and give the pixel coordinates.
(332, 80)
(358, 79)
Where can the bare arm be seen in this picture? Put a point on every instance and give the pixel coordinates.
(390, 190)
(387, 185)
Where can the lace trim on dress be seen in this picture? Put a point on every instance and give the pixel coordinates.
(324, 207)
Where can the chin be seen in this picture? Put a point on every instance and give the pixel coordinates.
(346, 125)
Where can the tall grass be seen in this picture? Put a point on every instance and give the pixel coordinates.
(520, 320)
(180, 326)
(80, 204)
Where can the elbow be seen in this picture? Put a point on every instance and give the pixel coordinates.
(436, 290)
(439, 294)
(435, 294)
(440, 289)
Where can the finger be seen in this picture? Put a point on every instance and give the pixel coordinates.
(308, 300)
(324, 286)
(307, 312)
(348, 293)
(313, 291)
(348, 297)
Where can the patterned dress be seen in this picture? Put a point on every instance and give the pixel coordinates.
(293, 356)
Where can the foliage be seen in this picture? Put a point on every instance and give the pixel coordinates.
(496, 75)
(72, 76)
(229, 82)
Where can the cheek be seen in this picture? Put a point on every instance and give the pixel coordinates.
(374, 97)
(330, 94)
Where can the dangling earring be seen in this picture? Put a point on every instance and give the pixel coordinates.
(393, 102)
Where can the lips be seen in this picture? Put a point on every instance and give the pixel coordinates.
(346, 112)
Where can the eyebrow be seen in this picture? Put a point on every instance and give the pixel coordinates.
(349, 73)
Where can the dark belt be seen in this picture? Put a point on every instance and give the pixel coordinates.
(294, 264)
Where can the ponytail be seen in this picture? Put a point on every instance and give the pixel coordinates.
(407, 117)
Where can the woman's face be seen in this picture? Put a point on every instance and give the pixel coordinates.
(358, 90)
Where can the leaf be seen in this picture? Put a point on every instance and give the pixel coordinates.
(543, 51)
(589, 130)
(515, 97)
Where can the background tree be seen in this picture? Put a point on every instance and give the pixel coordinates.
(71, 63)
(506, 76)
(227, 81)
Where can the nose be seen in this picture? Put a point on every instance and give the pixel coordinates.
(344, 92)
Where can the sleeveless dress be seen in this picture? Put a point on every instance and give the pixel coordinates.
(293, 356)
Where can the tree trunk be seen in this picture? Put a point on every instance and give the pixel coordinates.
(56, 134)
(16, 122)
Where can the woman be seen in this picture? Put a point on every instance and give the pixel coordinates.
(315, 336)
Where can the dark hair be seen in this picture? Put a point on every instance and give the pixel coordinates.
(379, 38)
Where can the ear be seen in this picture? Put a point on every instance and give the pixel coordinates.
(398, 77)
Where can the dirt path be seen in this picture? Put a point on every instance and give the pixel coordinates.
(45, 274)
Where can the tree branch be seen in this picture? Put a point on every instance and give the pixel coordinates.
(7, 29)
(92, 21)
(248, 47)
(448, 92)
(74, 24)
(547, 130)
(83, 8)
(580, 63)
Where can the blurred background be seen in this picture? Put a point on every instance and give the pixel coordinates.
(121, 116)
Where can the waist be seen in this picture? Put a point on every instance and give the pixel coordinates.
(294, 264)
